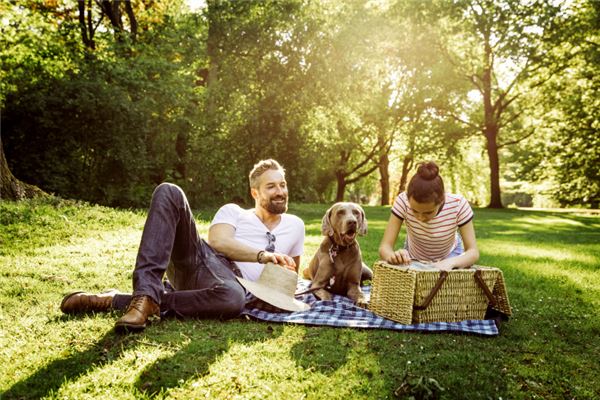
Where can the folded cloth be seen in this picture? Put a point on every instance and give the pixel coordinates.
(341, 312)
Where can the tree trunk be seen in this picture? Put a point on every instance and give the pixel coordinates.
(10, 187)
(491, 128)
(113, 12)
(181, 150)
(87, 29)
(384, 180)
(133, 26)
(341, 186)
(407, 164)
(492, 151)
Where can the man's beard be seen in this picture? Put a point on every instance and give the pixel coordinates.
(275, 208)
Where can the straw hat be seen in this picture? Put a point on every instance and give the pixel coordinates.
(276, 286)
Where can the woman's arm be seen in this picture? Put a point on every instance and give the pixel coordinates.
(471, 254)
(386, 247)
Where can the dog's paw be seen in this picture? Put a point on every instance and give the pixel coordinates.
(323, 294)
(362, 302)
(306, 274)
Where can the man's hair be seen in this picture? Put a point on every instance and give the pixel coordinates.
(260, 168)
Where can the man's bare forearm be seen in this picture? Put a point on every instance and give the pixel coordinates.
(221, 237)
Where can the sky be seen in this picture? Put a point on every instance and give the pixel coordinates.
(195, 4)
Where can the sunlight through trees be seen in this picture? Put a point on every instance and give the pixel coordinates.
(103, 100)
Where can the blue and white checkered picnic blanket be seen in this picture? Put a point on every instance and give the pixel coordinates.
(341, 312)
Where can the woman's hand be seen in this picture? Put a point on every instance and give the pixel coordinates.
(445, 265)
(388, 242)
(398, 257)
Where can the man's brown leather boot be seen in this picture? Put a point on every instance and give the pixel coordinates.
(81, 302)
(140, 310)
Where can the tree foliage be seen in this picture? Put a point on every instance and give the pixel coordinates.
(498, 47)
(99, 123)
(103, 100)
(572, 105)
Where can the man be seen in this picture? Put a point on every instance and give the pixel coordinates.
(203, 275)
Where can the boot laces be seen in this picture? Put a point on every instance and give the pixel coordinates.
(138, 303)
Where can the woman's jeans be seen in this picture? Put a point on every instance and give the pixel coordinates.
(204, 283)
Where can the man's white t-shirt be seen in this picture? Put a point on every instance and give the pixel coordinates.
(249, 229)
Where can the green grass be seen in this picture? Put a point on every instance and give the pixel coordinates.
(549, 349)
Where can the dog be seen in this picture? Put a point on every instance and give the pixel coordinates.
(337, 264)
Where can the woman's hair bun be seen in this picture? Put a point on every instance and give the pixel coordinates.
(426, 185)
(428, 170)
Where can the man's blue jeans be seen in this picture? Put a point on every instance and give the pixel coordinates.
(204, 281)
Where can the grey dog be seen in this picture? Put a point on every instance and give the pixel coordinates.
(337, 264)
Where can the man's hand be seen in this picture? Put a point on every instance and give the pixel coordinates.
(221, 237)
(398, 257)
(284, 260)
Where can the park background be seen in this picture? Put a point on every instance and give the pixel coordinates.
(101, 100)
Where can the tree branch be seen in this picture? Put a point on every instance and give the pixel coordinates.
(368, 157)
(501, 39)
(473, 80)
(531, 132)
(499, 108)
(457, 118)
(504, 93)
(362, 175)
(510, 120)
(98, 23)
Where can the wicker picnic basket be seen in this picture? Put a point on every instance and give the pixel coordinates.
(410, 295)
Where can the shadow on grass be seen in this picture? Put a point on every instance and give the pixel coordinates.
(204, 346)
(546, 349)
(323, 349)
(52, 376)
(537, 226)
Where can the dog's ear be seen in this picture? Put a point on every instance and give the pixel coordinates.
(362, 223)
(326, 227)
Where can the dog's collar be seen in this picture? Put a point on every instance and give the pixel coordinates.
(339, 247)
(335, 249)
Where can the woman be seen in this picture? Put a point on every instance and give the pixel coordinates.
(433, 220)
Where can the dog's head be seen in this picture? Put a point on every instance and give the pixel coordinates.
(343, 221)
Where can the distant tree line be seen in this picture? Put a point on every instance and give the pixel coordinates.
(101, 100)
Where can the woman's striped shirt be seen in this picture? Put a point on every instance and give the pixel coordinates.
(435, 239)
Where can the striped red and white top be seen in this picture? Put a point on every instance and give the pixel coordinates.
(435, 239)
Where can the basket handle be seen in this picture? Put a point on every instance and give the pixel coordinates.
(431, 295)
(483, 286)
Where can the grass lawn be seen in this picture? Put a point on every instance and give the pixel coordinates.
(549, 349)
